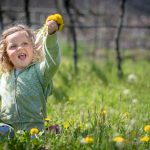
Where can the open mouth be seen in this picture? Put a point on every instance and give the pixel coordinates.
(22, 56)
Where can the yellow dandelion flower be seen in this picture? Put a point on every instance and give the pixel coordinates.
(87, 140)
(58, 18)
(147, 128)
(47, 119)
(118, 139)
(34, 131)
(145, 139)
(66, 125)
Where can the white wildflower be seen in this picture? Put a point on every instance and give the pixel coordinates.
(132, 78)
(134, 101)
(126, 92)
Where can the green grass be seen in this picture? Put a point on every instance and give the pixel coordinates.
(80, 99)
(96, 103)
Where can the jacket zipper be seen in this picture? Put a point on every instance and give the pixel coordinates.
(16, 105)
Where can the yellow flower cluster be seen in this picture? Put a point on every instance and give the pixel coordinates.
(118, 139)
(58, 18)
(145, 139)
(87, 140)
(147, 128)
(66, 125)
(34, 131)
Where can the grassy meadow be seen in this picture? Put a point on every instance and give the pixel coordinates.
(94, 109)
(96, 106)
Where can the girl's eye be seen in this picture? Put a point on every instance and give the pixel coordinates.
(25, 43)
(12, 46)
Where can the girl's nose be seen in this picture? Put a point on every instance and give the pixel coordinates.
(20, 47)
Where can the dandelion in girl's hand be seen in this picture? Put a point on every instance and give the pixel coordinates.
(87, 140)
(118, 139)
(147, 128)
(44, 31)
(58, 18)
(34, 131)
(145, 139)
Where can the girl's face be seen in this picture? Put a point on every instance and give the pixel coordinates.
(19, 49)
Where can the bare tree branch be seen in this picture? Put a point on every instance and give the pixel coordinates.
(117, 39)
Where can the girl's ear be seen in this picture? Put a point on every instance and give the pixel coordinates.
(2, 46)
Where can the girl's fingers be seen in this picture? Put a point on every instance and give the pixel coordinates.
(52, 26)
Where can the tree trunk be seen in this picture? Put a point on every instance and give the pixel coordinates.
(117, 39)
(73, 33)
(27, 13)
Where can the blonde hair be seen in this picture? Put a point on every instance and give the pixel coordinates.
(5, 63)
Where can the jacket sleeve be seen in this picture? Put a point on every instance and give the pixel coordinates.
(0, 90)
(51, 58)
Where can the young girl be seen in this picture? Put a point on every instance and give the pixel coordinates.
(27, 74)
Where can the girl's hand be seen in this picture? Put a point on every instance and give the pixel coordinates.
(56, 19)
(52, 26)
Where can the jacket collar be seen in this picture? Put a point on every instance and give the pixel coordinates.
(22, 70)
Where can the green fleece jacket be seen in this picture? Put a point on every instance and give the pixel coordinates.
(24, 96)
